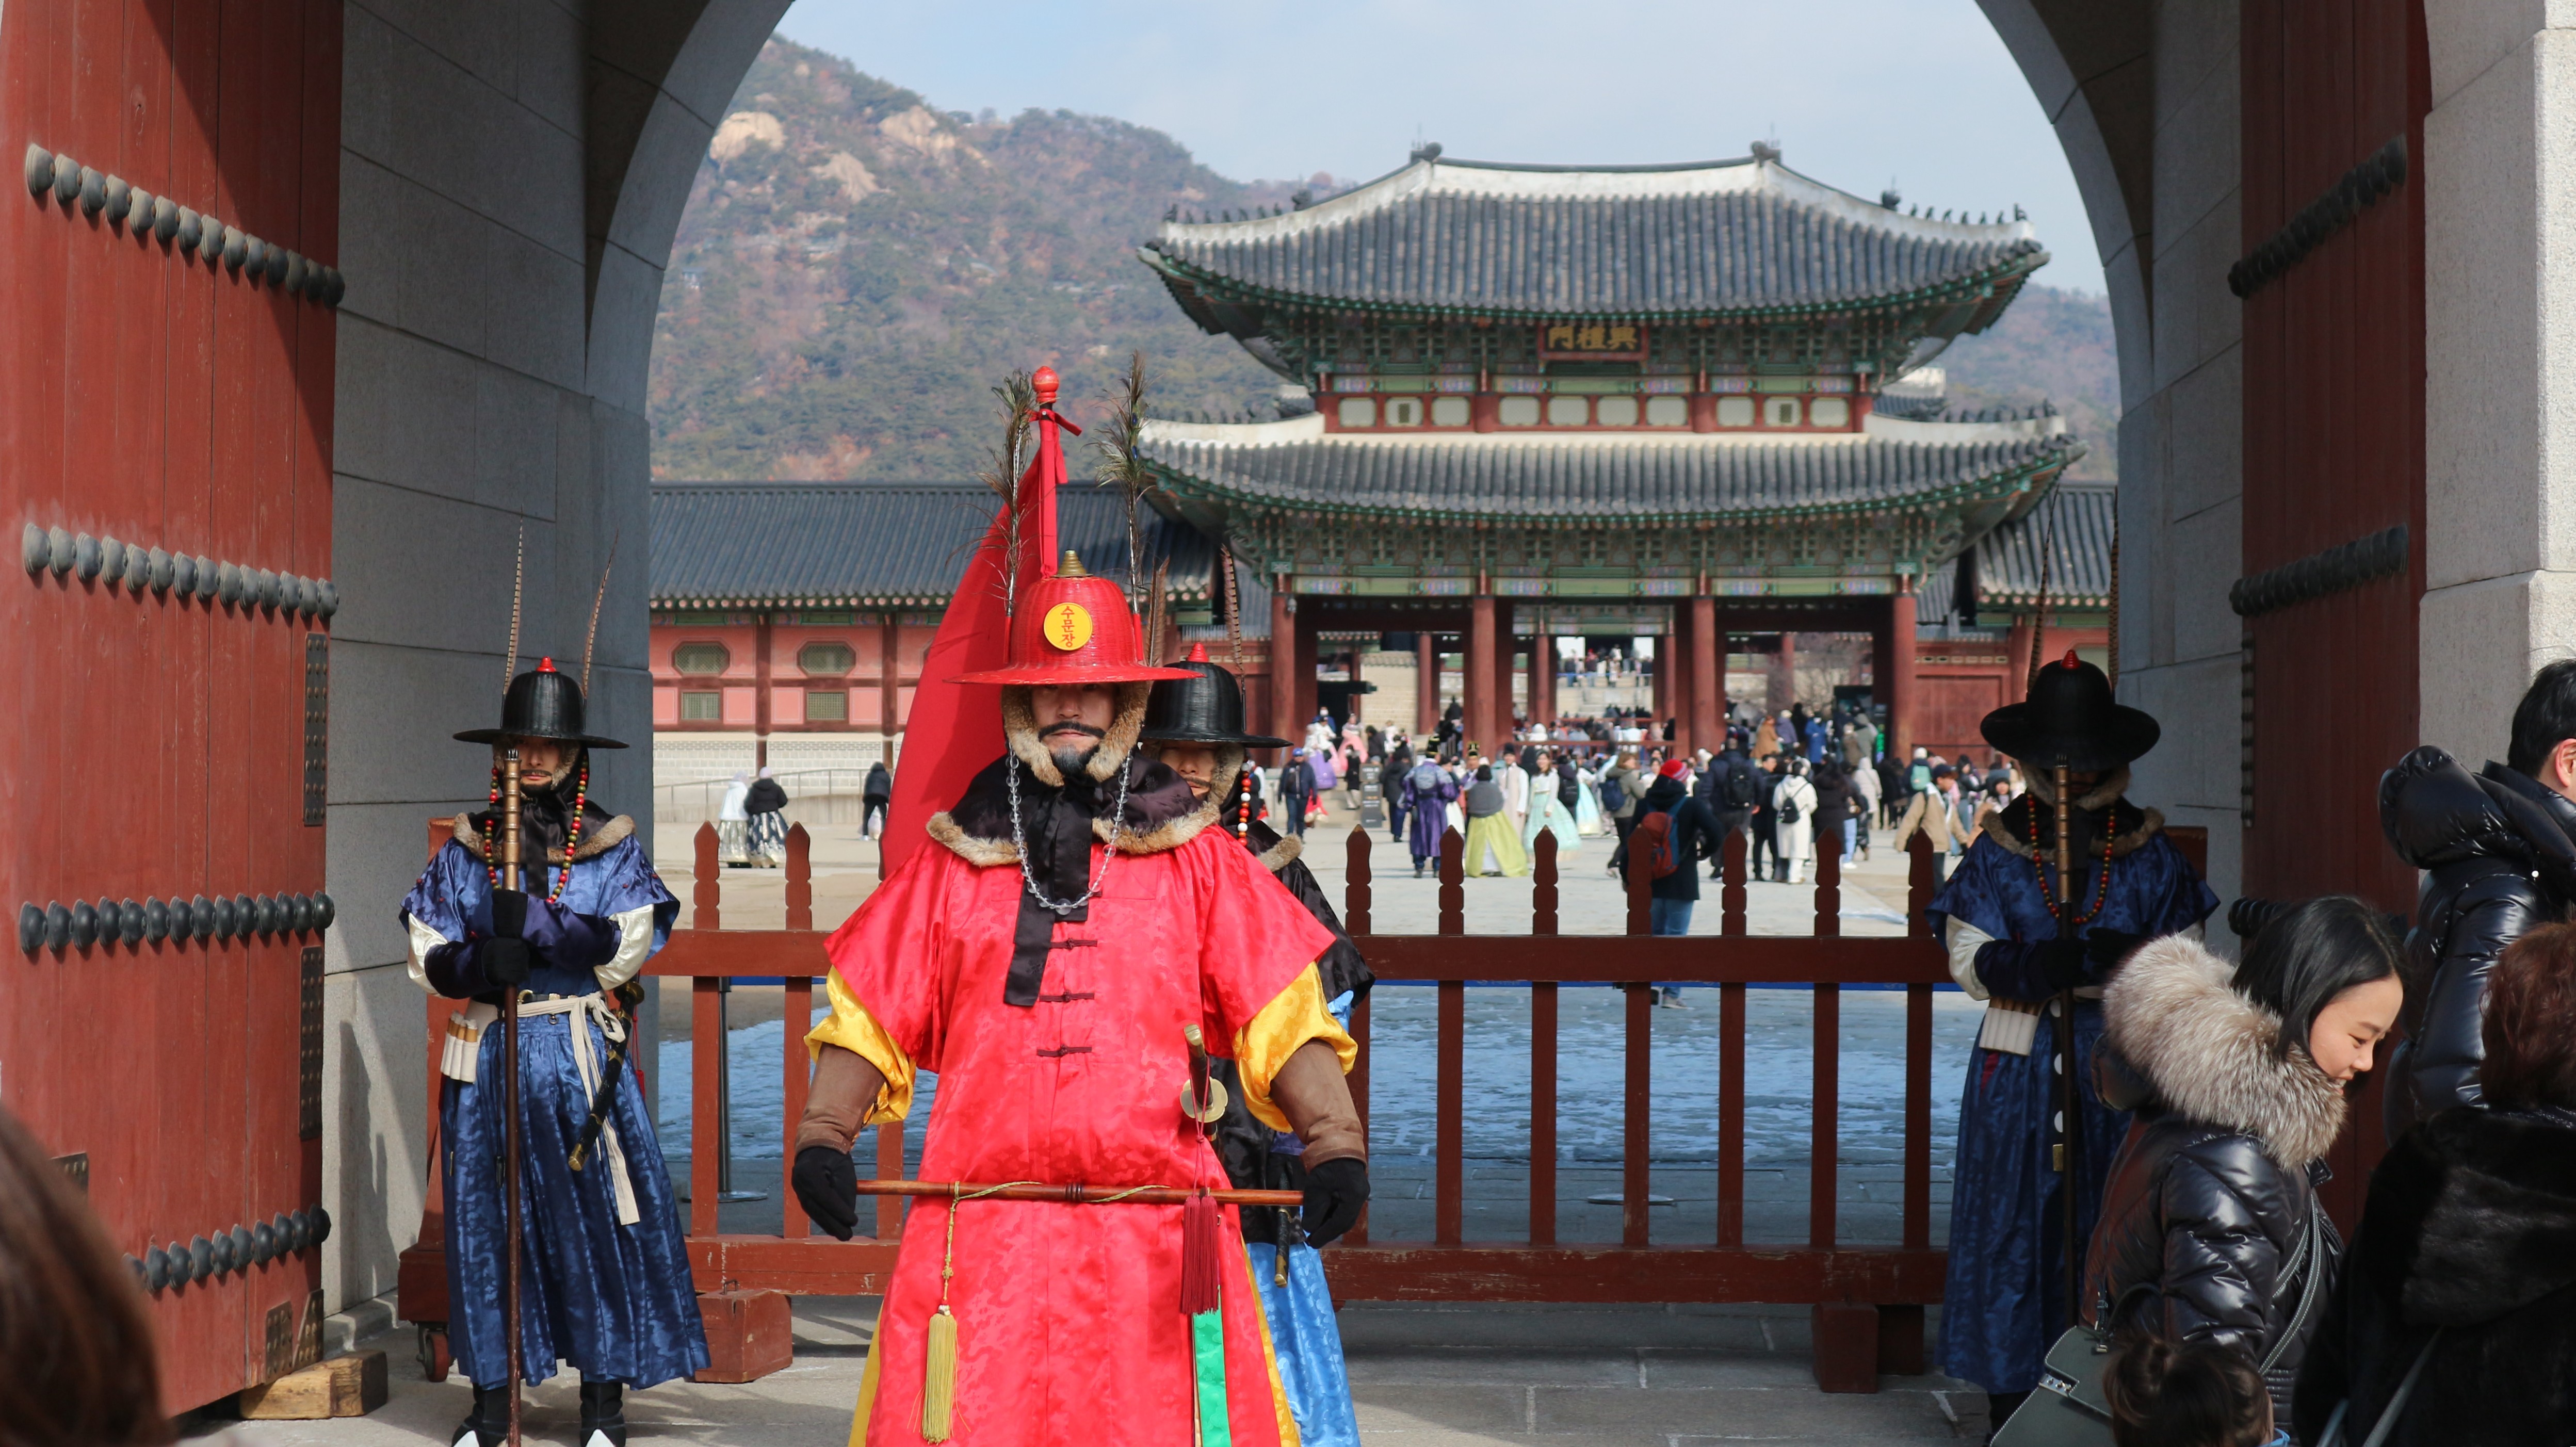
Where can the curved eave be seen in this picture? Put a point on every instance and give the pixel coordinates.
(1974, 286)
(1985, 487)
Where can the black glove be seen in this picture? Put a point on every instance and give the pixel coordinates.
(827, 1185)
(1335, 1192)
(2105, 950)
(2062, 963)
(509, 914)
(504, 961)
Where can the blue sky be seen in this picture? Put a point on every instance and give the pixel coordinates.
(1859, 94)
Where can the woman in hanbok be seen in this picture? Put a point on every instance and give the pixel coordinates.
(1553, 780)
(1588, 819)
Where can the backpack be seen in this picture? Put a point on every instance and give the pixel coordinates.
(1656, 832)
(1787, 804)
(1740, 792)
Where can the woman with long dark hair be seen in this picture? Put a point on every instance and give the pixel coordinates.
(2463, 1274)
(76, 1353)
(2211, 1231)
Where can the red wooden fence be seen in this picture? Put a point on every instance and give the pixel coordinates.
(1866, 1294)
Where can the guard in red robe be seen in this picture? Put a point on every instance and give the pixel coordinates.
(1048, 964)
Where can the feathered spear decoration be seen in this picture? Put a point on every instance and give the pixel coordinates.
(590, 640)
(1123, 467)
(1019, 398)
(518, 578)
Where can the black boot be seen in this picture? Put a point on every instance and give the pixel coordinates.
(603, 1414)
(488, 1425)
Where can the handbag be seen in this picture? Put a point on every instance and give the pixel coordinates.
(2067, 1409)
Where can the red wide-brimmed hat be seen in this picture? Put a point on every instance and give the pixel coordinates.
(1072, 628)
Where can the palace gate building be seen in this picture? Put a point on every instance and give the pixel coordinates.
(1625, 400)
(2334, 237)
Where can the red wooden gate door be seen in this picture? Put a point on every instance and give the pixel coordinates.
(2332, 277)
(165, 419)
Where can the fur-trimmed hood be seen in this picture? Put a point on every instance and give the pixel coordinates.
(1020, 731)
(601, 832)
(2175, 1019)
(2016, 829)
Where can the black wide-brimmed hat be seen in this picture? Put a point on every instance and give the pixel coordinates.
(2071, 719)
(1206, 708)
(541, 704)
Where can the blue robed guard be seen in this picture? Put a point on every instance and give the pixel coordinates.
(2028, 945)
(604, 1274)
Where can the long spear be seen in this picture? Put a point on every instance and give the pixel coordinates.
(2066, 1090)
(510, 1093)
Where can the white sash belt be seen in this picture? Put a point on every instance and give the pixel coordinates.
(460, 1053)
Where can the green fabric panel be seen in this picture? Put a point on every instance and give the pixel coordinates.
(1207, 1350)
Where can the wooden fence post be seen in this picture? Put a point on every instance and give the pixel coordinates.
(707, 898)
(1356, 893)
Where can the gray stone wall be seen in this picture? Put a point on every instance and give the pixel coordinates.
(2499, 172)
(510, 180)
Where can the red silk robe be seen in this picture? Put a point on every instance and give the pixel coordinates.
(1068, 1318)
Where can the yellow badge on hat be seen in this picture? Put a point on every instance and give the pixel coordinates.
(1067, 626)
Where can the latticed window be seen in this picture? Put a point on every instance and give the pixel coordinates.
(831, 706)
(707, 707)
(701, 658)
(826, 660)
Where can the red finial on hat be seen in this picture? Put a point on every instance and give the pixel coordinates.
(545, 665)
(1045, 381)
(1198, 653)
(2070, 660)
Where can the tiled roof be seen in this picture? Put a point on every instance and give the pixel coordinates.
(1746, 236)
(1591, 477)
(765, 544)
(2080, 517)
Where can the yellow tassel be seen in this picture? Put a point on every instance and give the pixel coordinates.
(939, 1377)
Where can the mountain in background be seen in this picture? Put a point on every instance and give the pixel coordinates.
(856, 270)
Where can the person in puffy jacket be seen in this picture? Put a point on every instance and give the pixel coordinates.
(2210, 1229)
(2498, 849)
(2466, 1256)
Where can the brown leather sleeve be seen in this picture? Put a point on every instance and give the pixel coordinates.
(844, 1089)
(1311, 1092)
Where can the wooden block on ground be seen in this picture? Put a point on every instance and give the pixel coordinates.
(749, 1335)
(350, 1386)
(1900, 1341)
(1846, 1343)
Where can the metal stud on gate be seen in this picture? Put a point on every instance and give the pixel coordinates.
(66, 179)
(138, 214)
(84, 924)
(228, 582)
(111, 558)
(59, 551)
(111, 920)
(245, 919)
(119, 196)
(58, 926)
(156, 1268)
(263, 915)
(207, 578)
(33, 550)
(165, 217)
(268, 594)
(187, 232)
(138, 568)
(156, 919)
(201, 915)
(244, 1247)
(323, 911)
(254, 260)
(210, 242)
(201, 1257)
(130, 923)
(183, 574)
(93, 191)
(225, 919)
(277, 266)
(31, 928)
(299, 914)
(236, 246)
(85, 556)
(294, 278)
(327, 598)
(263, 1243)
(40, 169)
(160, 571)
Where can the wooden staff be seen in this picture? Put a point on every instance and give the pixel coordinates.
(2066, 1093)
(510, 879)
(1080, 1195)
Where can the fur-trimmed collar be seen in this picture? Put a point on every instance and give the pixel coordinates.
(2175, 1019)
(595, 841)
(1020, 730)
(1274, 850)
(2131, 827)
(1161, 815)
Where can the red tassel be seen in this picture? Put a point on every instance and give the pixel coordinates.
(1202, 1246)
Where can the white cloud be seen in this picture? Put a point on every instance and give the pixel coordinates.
(1920, 92)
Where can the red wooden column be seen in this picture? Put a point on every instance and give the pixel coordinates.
(1673, 696)
(1663, 680)
(1483, 672)
(1899, 683)
(1542, 677)
(1788, 666)
(1359, 705)
(889, 673)
(1708, 675)
(1301, 670)
(1426, 686)
(761, 672)
(1284, 722)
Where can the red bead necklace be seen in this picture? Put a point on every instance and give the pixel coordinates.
(1243, 805)
(572, 837)
(2102, 880)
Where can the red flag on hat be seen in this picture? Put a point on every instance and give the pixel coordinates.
(955, 729)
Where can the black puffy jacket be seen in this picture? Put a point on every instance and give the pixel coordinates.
(2498, 857)
(2211, 1208)
(2470, 1229)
